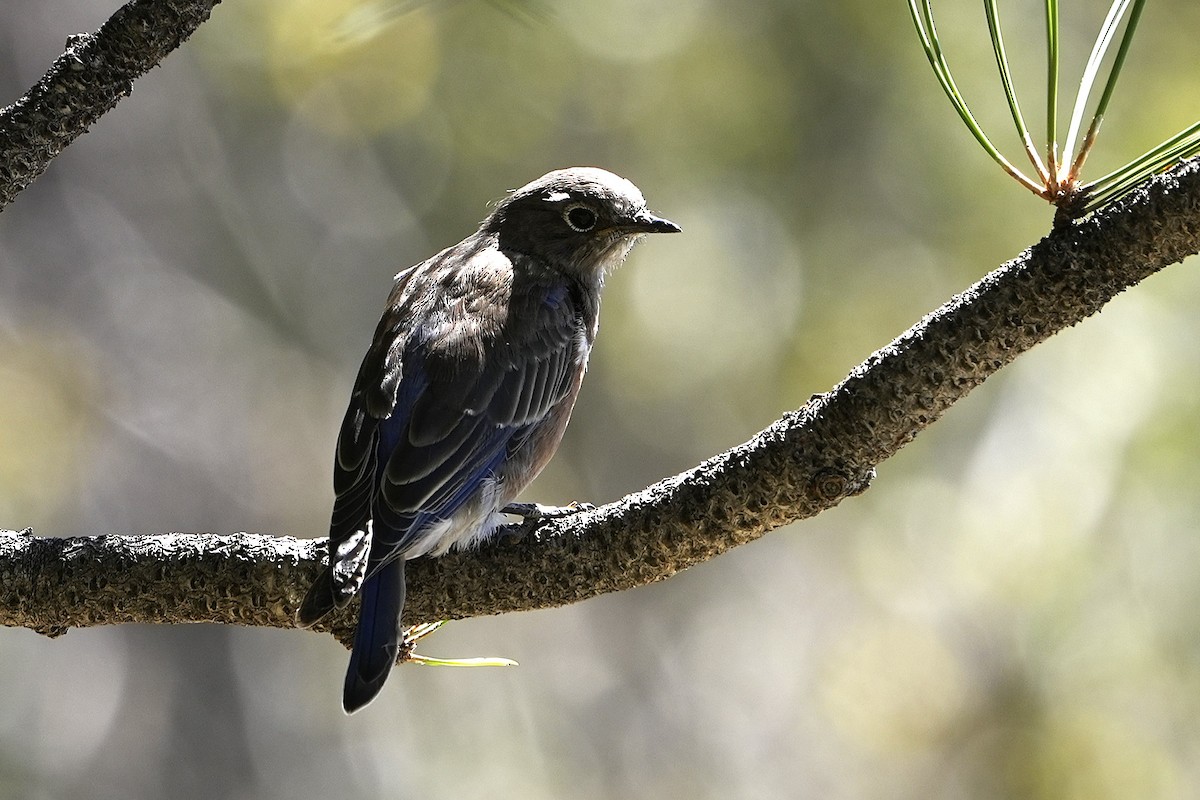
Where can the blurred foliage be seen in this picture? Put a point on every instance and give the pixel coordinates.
(185, 297)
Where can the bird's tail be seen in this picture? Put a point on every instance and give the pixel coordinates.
(377, 640)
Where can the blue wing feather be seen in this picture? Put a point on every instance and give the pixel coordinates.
(447, 393)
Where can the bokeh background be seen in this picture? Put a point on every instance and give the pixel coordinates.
(1011, 610)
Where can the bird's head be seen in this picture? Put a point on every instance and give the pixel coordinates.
(582, 220)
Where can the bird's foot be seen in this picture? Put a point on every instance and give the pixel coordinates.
(539, 511)
(533, 513)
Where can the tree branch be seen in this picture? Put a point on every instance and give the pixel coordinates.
(807, 461)
(86, 82)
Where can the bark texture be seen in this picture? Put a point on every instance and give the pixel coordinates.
(86, 82)
(807, 461)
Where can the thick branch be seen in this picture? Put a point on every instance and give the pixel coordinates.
(87, 81)
(807, 461)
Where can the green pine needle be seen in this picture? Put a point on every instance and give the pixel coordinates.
(418, 632)
(923, 20)
(1059, 180)
(1010, 94)
(1052, 87)
(462, 662)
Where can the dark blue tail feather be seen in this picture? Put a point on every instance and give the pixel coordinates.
(377, 640)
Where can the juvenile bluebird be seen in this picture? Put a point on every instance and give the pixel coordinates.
(465, 393)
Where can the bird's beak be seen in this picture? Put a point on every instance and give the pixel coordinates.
(645, 222)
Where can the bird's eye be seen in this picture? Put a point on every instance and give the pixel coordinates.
(580, 217)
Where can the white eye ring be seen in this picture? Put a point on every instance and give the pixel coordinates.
(581, 222)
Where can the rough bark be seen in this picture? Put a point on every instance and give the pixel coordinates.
(86, 82)
(807, 461)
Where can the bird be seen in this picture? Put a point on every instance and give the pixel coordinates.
(464, 394)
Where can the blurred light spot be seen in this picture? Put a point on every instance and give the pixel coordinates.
(80, 695)
(894, 688)
(376, 82)
(511, 93)
(1088, 755)
(339, 180)
(1044, 473)
(48, 381)
(723, 103)
(632, 30)
(370, 19)
(900, 564)
(704, 316)
(724, 293)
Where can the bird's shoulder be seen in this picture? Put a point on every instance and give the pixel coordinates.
(471, 310)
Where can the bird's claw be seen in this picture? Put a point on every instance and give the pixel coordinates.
(533, 513)
(539, 511)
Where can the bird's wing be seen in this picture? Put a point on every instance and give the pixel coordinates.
(356, 456)
(462, 367)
